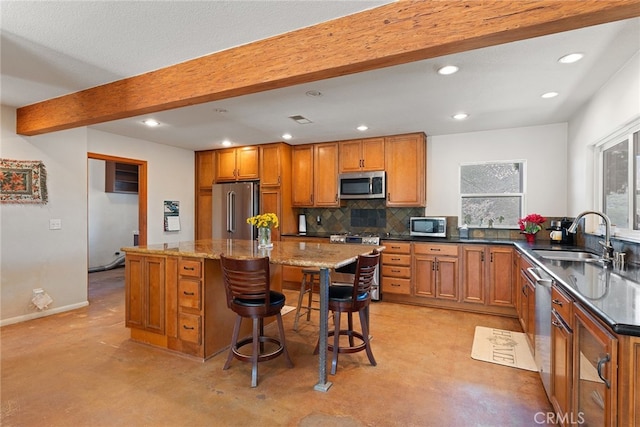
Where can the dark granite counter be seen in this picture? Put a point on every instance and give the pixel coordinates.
(611, 294)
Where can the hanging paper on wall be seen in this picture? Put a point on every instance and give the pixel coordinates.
(171, 215)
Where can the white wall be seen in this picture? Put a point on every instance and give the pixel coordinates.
(543, 148)
(615, 104)
(32, 256)
(113, 217)
(170, 176)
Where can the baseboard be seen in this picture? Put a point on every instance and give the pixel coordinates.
(45, 313)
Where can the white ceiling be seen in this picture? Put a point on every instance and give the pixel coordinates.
(52, 48)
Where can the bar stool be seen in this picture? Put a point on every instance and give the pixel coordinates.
(310, 278)
(352, 299)
(248, 289)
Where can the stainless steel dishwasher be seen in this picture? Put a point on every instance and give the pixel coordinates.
(542, 350)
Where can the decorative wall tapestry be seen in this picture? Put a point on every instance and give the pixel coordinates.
(23, 181)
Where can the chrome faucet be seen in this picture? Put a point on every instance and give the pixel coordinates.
(607, 249)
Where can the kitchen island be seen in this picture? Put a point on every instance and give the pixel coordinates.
(175, 297)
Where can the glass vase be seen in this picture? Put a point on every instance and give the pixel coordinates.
(531, 238)
(264, 237)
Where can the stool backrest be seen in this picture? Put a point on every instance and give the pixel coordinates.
(365, 275)
(246, 279)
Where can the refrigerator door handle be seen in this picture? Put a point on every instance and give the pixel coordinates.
(231, 210)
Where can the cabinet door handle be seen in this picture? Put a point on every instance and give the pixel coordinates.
(557, 302)
(188, 293)
(395, 259)
(524, 290)
(188, 327)
(491, 260)
(395, 271)
(397, 285)
(188, 268)
(601, 362)
(482, 256)
(556, 324)
(434, 249)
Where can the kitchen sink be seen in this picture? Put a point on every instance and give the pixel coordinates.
(568, 255)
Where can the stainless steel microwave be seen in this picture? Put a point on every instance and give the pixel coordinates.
(429, 226)
(362, 185)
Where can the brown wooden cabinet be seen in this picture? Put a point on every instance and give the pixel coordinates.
(145, 293)
(315, 175)
(405, 164)
(435, 271)
(595, 364)
(121, 177)
(561, 354)
(275, 186)
(204, 169)
(473, 274)
(237, 164)
(500, 281)
(487, 275)
(396, 268)
(361, 155)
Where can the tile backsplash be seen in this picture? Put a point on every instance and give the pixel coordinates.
(361, 216)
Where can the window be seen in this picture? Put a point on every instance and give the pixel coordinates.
(619, 187)
(492, 194)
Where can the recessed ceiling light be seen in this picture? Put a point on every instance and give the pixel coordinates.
(460, 116)
(571, 58)
(549, 95)
(447, 70)
(362, 128)
(226, 143)
(151, 122)
(287, 136)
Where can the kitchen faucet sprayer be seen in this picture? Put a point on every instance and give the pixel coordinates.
(607, 249)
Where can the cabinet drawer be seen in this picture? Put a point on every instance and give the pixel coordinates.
(396, 247)
(396, 271)
(191, 268)
(395, 259)
(189, 294)
(189, 328)
(395, 285)
(563, 305)
(435, 249)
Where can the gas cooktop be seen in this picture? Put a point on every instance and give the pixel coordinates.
(362, 239)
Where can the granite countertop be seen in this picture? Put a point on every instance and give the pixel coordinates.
(612, 294)
(301, 254)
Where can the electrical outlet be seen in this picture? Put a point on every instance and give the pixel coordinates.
(38, 291)
(318, 220)
(55, 224)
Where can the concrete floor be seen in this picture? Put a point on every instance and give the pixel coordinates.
(80, 369)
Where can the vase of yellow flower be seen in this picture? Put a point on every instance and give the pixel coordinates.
(264, 222)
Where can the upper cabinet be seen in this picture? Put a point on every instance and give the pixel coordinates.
(405, 164)
(362, 155)
(237, 164)
(121, 177)
(315, 175)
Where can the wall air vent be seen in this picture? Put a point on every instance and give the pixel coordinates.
(301, 120)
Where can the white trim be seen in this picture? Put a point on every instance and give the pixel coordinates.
(44, 313)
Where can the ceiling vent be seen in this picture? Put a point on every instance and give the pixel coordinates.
(301, 120)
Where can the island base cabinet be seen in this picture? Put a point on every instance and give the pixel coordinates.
(145, 293)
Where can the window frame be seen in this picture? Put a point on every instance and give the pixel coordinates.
(521, 195)
(627, 133)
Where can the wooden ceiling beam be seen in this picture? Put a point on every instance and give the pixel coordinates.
(392, 34)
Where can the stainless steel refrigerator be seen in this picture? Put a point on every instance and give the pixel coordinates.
(232, 205)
